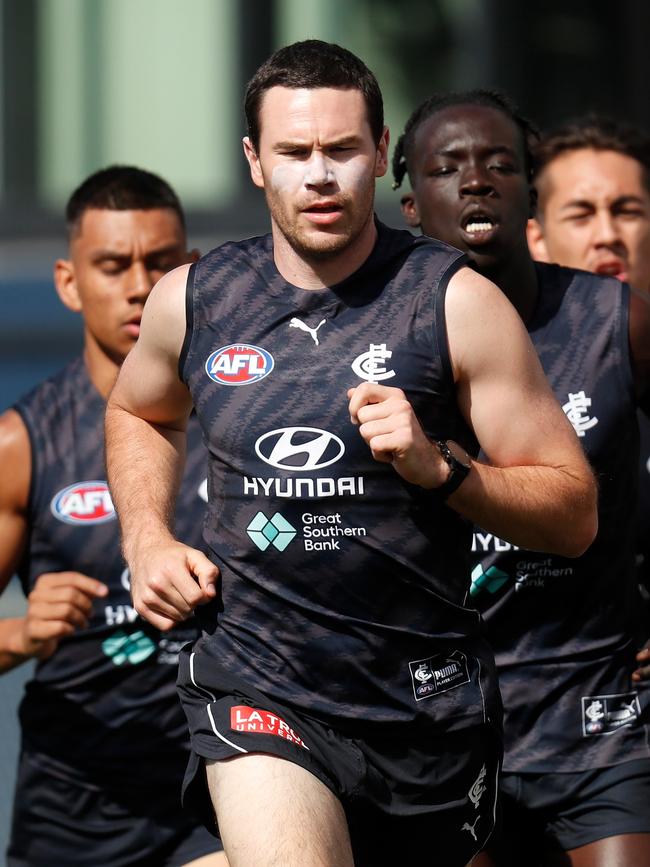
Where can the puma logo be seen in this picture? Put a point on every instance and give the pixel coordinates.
(470, 828)
(298, 323)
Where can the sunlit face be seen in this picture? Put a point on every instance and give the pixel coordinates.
(470, 187)
(317, 163)
(115, 259)
(594, 214)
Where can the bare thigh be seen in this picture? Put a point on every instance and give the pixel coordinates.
(216, 859)
(622, 850)
(273, 813)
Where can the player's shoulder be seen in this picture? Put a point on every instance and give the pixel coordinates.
(235, 255)
(55, 389)
(14, 441)
(577, 281)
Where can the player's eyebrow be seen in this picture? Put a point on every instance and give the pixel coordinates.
(348, 140)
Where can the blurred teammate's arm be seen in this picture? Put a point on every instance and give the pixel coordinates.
(145, 450)
(59, 602)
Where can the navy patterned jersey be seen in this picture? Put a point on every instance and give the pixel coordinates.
(343, 591)
(564, 629)
(642, 535)
(104, 705)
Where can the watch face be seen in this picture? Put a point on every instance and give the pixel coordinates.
(459, 454)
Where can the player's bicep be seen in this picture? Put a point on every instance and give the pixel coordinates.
(15, 476)
(148, 385)
(503, 392)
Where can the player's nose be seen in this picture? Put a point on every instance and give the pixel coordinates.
(475, 181)
(605, 228)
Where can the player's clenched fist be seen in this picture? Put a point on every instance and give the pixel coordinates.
(59, 604)
(389, 425)
(169, 580)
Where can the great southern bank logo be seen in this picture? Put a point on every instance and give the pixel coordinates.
(84, 503)
(276, 531)
(299, 448)
(133, 648)
(239, 364)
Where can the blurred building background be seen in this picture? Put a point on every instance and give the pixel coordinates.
(159, 84)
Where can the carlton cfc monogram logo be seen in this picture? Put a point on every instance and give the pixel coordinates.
(83, 503)
(239, 364)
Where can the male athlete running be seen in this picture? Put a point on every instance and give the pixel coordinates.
(593, 212)
(576, 781)
(104, 741)
(345, 705)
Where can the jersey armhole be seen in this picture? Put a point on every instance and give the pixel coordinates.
(189, 322)
(623, 322)
(440, 321)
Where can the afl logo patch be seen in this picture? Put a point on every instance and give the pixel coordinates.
(83, 503)
(239, 364)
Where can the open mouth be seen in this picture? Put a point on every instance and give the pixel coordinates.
(325, 208)
(477, 222)
(323, 213)
(478, 226)
(612, 268)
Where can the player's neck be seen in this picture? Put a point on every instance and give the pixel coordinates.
(318, 272)
(102, 369)
(517, 279)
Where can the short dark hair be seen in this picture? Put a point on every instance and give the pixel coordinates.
(599, 133)
(403, 153)
(121, 188)
(311, 64)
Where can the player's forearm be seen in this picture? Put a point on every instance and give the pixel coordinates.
(144, 464)
(536, 507)
(12, 644)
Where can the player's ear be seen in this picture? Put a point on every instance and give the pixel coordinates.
(410, 210)
(381, 163)
(536, 242)
(253, 162)
(65, 282)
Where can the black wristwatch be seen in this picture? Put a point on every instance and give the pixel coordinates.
(459, 463)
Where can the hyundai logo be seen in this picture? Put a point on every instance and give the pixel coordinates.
(299, 448)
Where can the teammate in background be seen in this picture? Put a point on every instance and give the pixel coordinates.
(346, 705)
(104, 739)
(593, 182)
(577, 766)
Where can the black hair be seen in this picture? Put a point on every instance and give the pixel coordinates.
(599, 133)
(311, 64)
(403, 153)
(121, 188)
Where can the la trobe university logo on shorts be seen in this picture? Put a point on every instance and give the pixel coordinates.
(239, 364)
(83, 503)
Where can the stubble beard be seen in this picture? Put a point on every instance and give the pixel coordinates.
(320, 246)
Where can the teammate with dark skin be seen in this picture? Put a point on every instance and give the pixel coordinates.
(469, 169)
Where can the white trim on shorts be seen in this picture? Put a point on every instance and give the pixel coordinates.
(209, 709)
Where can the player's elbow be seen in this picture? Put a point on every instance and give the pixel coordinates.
(581, 525)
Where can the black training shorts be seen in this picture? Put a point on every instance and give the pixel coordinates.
(58, 821)
(406, 792)
(559, 812)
